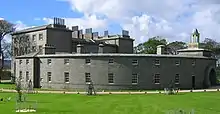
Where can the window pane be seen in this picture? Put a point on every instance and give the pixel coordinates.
(87, 61)
(87, 77)
(134, 78)
(110, 78)
(66, 76)
(49, 76)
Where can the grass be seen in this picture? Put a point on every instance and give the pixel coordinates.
(12, 86)
(7, 85)
(202, 103)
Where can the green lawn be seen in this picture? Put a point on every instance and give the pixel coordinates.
(12, 86)
(202, 103)
(7, 86)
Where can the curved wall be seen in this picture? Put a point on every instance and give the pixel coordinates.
(122, 69)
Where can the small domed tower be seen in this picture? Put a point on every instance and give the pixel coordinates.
(194, 40)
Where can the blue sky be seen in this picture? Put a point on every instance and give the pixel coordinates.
(27, 10)
(172, 19)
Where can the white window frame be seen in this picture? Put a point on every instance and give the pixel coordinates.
(133, 79)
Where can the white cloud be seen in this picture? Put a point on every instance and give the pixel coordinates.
(173, 19)
(1, 18)
(19, 25)
(37, 19)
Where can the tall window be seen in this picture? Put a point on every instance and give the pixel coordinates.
(111, 60)
(157, 78)
(27, 61)
(157, 62)
(34, 37)
(177, 79)
(177, 62)
(20, 61)
(88, 77)
(49, 76)
(87, 61)
(27, 76)
(134, 78)
(110, 78)
(40, 36)
(49, 61)
(66, 77)
(20, 75)
(33, 48)
(193, 63)
(66, 61)
(134, 62)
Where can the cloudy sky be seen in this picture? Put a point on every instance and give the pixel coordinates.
(173, 19)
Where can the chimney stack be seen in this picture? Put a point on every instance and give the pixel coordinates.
(161, 49)
(95, 35)
(106, 33)
(75, 33)
(80, 34)
(88, 33)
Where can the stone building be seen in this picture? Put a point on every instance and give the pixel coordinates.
(62, 58)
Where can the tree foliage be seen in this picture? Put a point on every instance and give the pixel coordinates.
(211, 45)
(174, 46)
(21, 44)
(150, 46)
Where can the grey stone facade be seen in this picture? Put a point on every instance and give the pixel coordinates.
(123, 68)
(69, 59)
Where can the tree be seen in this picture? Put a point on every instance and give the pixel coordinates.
(19, 89)
(6, 48)
(5, 28)
(150, 46)
(174, 46)
(211, 45)
(21, 45)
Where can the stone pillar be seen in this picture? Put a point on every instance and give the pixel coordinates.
(101, 48)
(80, 48)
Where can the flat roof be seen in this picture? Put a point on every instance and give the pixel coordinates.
(37, 28)
(110, 55)
(192, 49)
